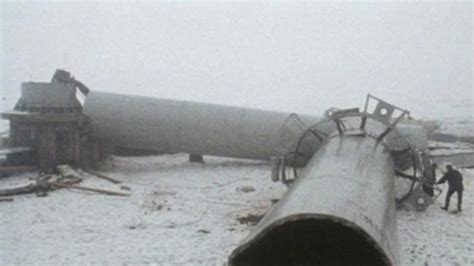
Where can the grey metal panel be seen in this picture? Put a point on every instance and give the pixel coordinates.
(200, 128)
(51, 95)
(348, 182)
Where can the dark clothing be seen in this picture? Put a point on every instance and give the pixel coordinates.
(454, 179)
(428, 189)
(433, 174)
(448, 197)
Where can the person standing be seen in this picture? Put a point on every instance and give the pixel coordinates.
(455, 184)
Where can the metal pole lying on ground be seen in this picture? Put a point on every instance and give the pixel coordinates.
(340, 211)
(197, 128)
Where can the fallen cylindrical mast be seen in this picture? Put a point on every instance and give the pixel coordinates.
(340, 211)
(198, 128)
(210, 129)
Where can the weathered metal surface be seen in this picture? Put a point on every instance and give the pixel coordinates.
(47, 96)
(198, 128)
(209, 129)
(340, 211)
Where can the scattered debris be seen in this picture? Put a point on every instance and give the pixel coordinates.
(152, 205)
(203, 231)
(115, 181)
(68, 175)
(137, 226)
(38, 186)
(68, 178)
(196, 158)
(6, 199)
(67, 171)
(247, 189)
(101, 191)
(250, 219)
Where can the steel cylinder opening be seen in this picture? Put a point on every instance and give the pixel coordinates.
(321, 241)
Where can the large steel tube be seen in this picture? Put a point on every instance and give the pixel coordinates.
(340, 211)
(199, 128)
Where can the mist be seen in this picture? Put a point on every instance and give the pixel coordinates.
(295, 57)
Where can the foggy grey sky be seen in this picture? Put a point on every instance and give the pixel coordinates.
(297, 57)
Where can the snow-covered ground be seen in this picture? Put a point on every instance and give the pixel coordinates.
(436, 237)
(180, 213)
(444, 148)
(460, 126)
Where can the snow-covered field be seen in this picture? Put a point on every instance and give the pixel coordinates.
(461, 126)
(180, 213)
(436, 237)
